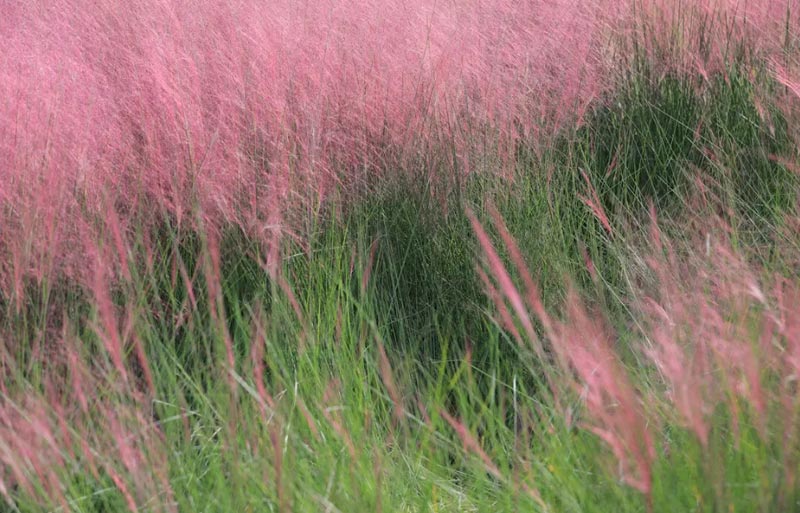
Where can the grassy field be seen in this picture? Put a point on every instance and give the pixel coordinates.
(597, 311)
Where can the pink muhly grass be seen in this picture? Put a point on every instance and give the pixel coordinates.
(144, 364)
(505, 316)
(312, 424)
(594, 203)
(583, 349)
(46, 436)
(614, 406)
(686, 368)
(520, 307)
(784, 78)
(785, 326)
(506, 284)
(373, 251)
(212, 272)
(114, 226)
(331, 413)
(139, 445)
(236, 113)
(700, 321)
(259, 342)
(78, 374)
(60, 413)
(688, 373)
(701, 36)
(277, 451)
(472, 445)
(130, 457)
(124, 490)
(109, 330)
(714, 334)
(230, 114)
(388, 380)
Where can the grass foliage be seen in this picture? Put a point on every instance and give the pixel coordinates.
(633, 347)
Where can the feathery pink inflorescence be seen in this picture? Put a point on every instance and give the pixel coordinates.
(583, 348)
(708, 326)
(168, 105)
(174, 104)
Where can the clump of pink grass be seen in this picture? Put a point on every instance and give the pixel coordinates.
(714, 334)
(237, 109)
(706, 36)
(45, 436)
(242, 111)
